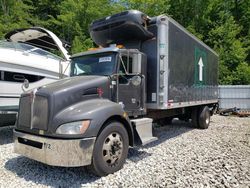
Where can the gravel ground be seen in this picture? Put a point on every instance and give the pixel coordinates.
(182, 157)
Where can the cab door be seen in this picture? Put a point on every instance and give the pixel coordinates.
(131, 84)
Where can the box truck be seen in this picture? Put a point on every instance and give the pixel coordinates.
(145, 70)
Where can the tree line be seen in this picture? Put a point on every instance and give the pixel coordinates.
(224, 25)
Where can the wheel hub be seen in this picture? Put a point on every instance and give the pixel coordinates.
(115, 147)
(112, 149)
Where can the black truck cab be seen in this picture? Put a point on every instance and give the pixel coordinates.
(126, 69)
(59, 123)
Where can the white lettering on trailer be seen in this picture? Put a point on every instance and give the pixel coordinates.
(200, 63)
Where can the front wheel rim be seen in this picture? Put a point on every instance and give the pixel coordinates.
(112, 149)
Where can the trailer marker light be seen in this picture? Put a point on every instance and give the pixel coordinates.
(91, 49)
(170, 104)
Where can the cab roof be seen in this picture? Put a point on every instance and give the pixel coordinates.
(96, 51)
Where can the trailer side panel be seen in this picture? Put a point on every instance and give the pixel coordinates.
(193, 69)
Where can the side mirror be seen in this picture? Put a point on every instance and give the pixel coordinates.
(136, 80)
(25, 84)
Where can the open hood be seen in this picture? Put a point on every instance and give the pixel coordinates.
(39, 37)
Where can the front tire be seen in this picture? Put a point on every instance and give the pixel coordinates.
(111, 149)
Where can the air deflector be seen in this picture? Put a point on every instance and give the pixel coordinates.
(124, 26)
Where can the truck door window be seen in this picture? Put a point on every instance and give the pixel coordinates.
(125, 70)
(126, 65)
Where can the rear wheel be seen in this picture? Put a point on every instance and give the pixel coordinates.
(201, 117)
(111, 149)
(204, 117)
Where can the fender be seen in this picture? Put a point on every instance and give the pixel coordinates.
(98, 111)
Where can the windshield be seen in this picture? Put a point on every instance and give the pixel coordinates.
(96, 64)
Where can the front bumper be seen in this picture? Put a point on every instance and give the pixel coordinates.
(55, 152)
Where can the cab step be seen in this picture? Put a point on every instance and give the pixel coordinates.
(143, 127)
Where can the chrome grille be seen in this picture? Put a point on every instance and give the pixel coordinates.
(40, 113)
(33, 112)
(24, 115)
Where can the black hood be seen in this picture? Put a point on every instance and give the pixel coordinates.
(69, 91)
(73, 84)
(49, 100)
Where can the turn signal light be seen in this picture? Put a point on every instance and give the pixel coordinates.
(120, 46)
(85, 126)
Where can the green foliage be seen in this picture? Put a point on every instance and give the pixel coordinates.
(242, 74)
(223, 25)
(149, 7)
(225, 37)
(14, 14)
(81, 44)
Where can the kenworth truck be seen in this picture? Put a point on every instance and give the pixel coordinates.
(145, 70)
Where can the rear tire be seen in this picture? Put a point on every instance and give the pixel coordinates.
(110, 150)
(204, 117)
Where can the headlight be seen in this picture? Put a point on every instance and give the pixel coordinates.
(78, 127)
